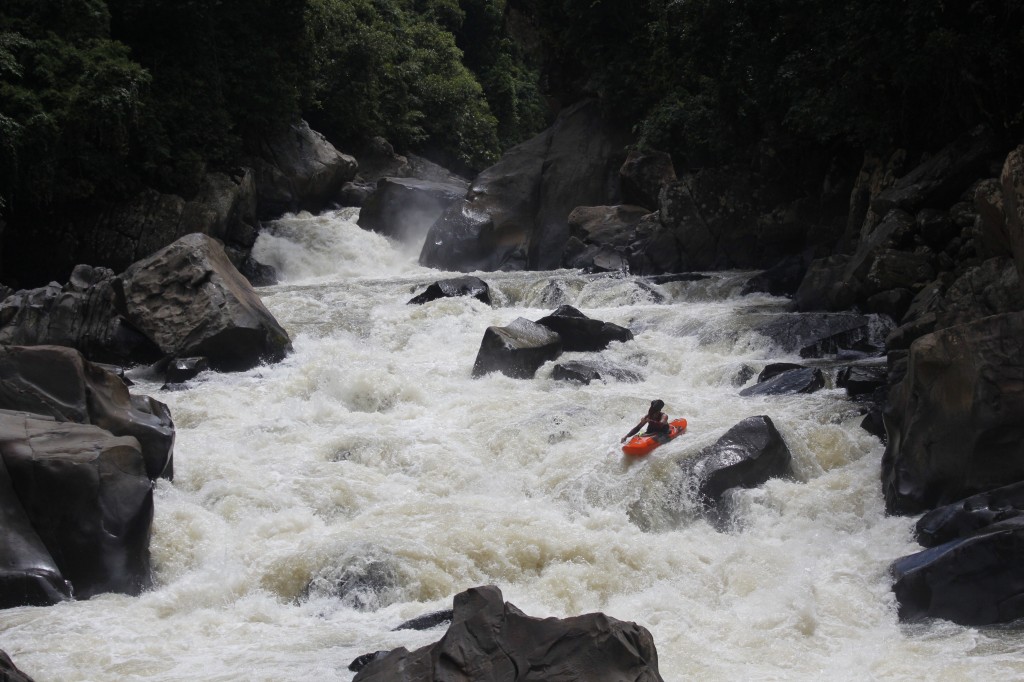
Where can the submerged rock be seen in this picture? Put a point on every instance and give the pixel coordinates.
(453, 287)
(802, 380)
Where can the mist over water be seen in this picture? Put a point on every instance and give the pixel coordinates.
(367, 478)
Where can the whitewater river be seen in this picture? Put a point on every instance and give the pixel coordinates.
(368, 478)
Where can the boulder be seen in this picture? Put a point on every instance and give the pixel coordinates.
(582, 333)
(405, 208)
(299, 170)
(642, 176)
(803, 380)
(517, 210)
(427, 621)
(28, 574)
(456, 286)
(82, 314)
(191, 301)
(956, 419)
(492, 641)
(87, 495)
(974, 580)
(968, 516)
(773, 369)
(517, 350)
(749, 453)
(861, 379)
(781, 279)
(57, 382)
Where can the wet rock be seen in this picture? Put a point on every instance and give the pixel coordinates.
(582, 333)
(360, 662)
(1012, 181)
(57, 382)
(29, 576)
(456, 286)
(88, 497)
(9, 672)
(973, 580)
(803, 380)
(517, 350)
(774, 369)
(966, 517)
(584, 373)
(427, 621)
(782, 279)
(180, 370)
(749, 453)
(405, 208)
(492, 640)
(861, 379)
(956, 420)
(191, 301)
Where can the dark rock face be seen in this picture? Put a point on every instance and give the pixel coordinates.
(861, 379)
(781, 279)
(746, 456)
(57, 382)
(600, 235)
(300, 170)
(405, 208)
(967, 516)
(582, 333)
(803, 380)
(493, 641)
(974, 580)
(191, 301)
(517, 350)
(1012, 181)
(87, 495)
(28, 574)
(956, 420)
(517, 210)
(456, 286)
(83, 314)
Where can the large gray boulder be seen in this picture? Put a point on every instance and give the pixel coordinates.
(955, 422)
(299, 170)
(516, 212)
(191, 301)
(57, 382)
(86, 494)
(490, 640)
(517, 350)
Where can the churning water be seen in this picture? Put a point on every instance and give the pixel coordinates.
(368, 478)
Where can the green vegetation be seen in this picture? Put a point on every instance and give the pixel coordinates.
(99, 98)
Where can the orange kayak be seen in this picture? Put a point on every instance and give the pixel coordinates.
(640, 445)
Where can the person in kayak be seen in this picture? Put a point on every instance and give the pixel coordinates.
(655, 419)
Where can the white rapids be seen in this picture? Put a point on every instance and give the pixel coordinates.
(367, 478)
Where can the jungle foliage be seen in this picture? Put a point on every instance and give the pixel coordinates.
(101, 97)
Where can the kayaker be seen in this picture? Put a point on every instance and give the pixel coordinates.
(655, 419)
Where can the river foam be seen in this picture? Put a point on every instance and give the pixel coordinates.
(368, 478)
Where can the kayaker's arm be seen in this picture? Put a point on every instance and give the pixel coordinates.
(634, 429)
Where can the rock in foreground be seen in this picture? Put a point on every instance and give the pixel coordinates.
(491, 640)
